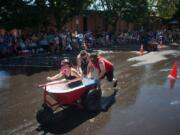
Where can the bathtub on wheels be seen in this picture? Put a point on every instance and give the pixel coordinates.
(57, 94)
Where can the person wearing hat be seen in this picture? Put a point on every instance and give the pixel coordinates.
(82, 62)
(104, 67)
(69, 73)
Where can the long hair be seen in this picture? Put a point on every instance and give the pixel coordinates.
(83, 52)
(94, 57)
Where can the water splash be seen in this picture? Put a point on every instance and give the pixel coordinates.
(153, 57)
(175, 102)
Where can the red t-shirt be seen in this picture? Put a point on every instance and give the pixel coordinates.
(108, 64)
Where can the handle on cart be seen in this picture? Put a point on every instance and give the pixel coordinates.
(53, 83)
(42, 85)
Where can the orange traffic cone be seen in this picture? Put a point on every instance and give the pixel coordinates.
(172, 83)
(173, 74)
(141, 50)
(161, 44)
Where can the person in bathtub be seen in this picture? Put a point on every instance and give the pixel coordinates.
(72, 76)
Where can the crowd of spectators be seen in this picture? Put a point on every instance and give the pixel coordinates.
(57, 42)
(51, 42)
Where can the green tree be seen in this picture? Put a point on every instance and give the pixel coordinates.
(129, 10)
(177, 14)
(17, 13)
(21, 13)
(163, 8)
(167, 8)
(63, 10)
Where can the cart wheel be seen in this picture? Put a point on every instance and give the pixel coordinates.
(44, 115)
(92, 100)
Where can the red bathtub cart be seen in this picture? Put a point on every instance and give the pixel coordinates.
(57, 94)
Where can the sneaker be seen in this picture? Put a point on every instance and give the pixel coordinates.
(39, 128)
(115, 83)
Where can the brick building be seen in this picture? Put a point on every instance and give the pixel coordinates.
(95, 21)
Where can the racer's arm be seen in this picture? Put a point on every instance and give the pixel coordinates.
(88, 69)
(79, 64)
(57, 76)
(77, 75)
(102, 69)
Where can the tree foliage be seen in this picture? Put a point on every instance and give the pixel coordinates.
(167, 8)
(177, 14)
(11, 12)
(129, 10)
(21, 13)
(163, 8)
(63, 10)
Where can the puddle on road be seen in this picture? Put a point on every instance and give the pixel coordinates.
(154, 57)
(4, 80)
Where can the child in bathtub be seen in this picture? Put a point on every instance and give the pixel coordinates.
(72, 76)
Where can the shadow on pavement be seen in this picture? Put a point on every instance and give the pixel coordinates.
(66, 120)
(70, 118)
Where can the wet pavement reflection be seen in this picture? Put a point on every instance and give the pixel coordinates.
(4, 80)
(146, 101)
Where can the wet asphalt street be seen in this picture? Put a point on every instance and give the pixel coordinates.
(144, 104)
